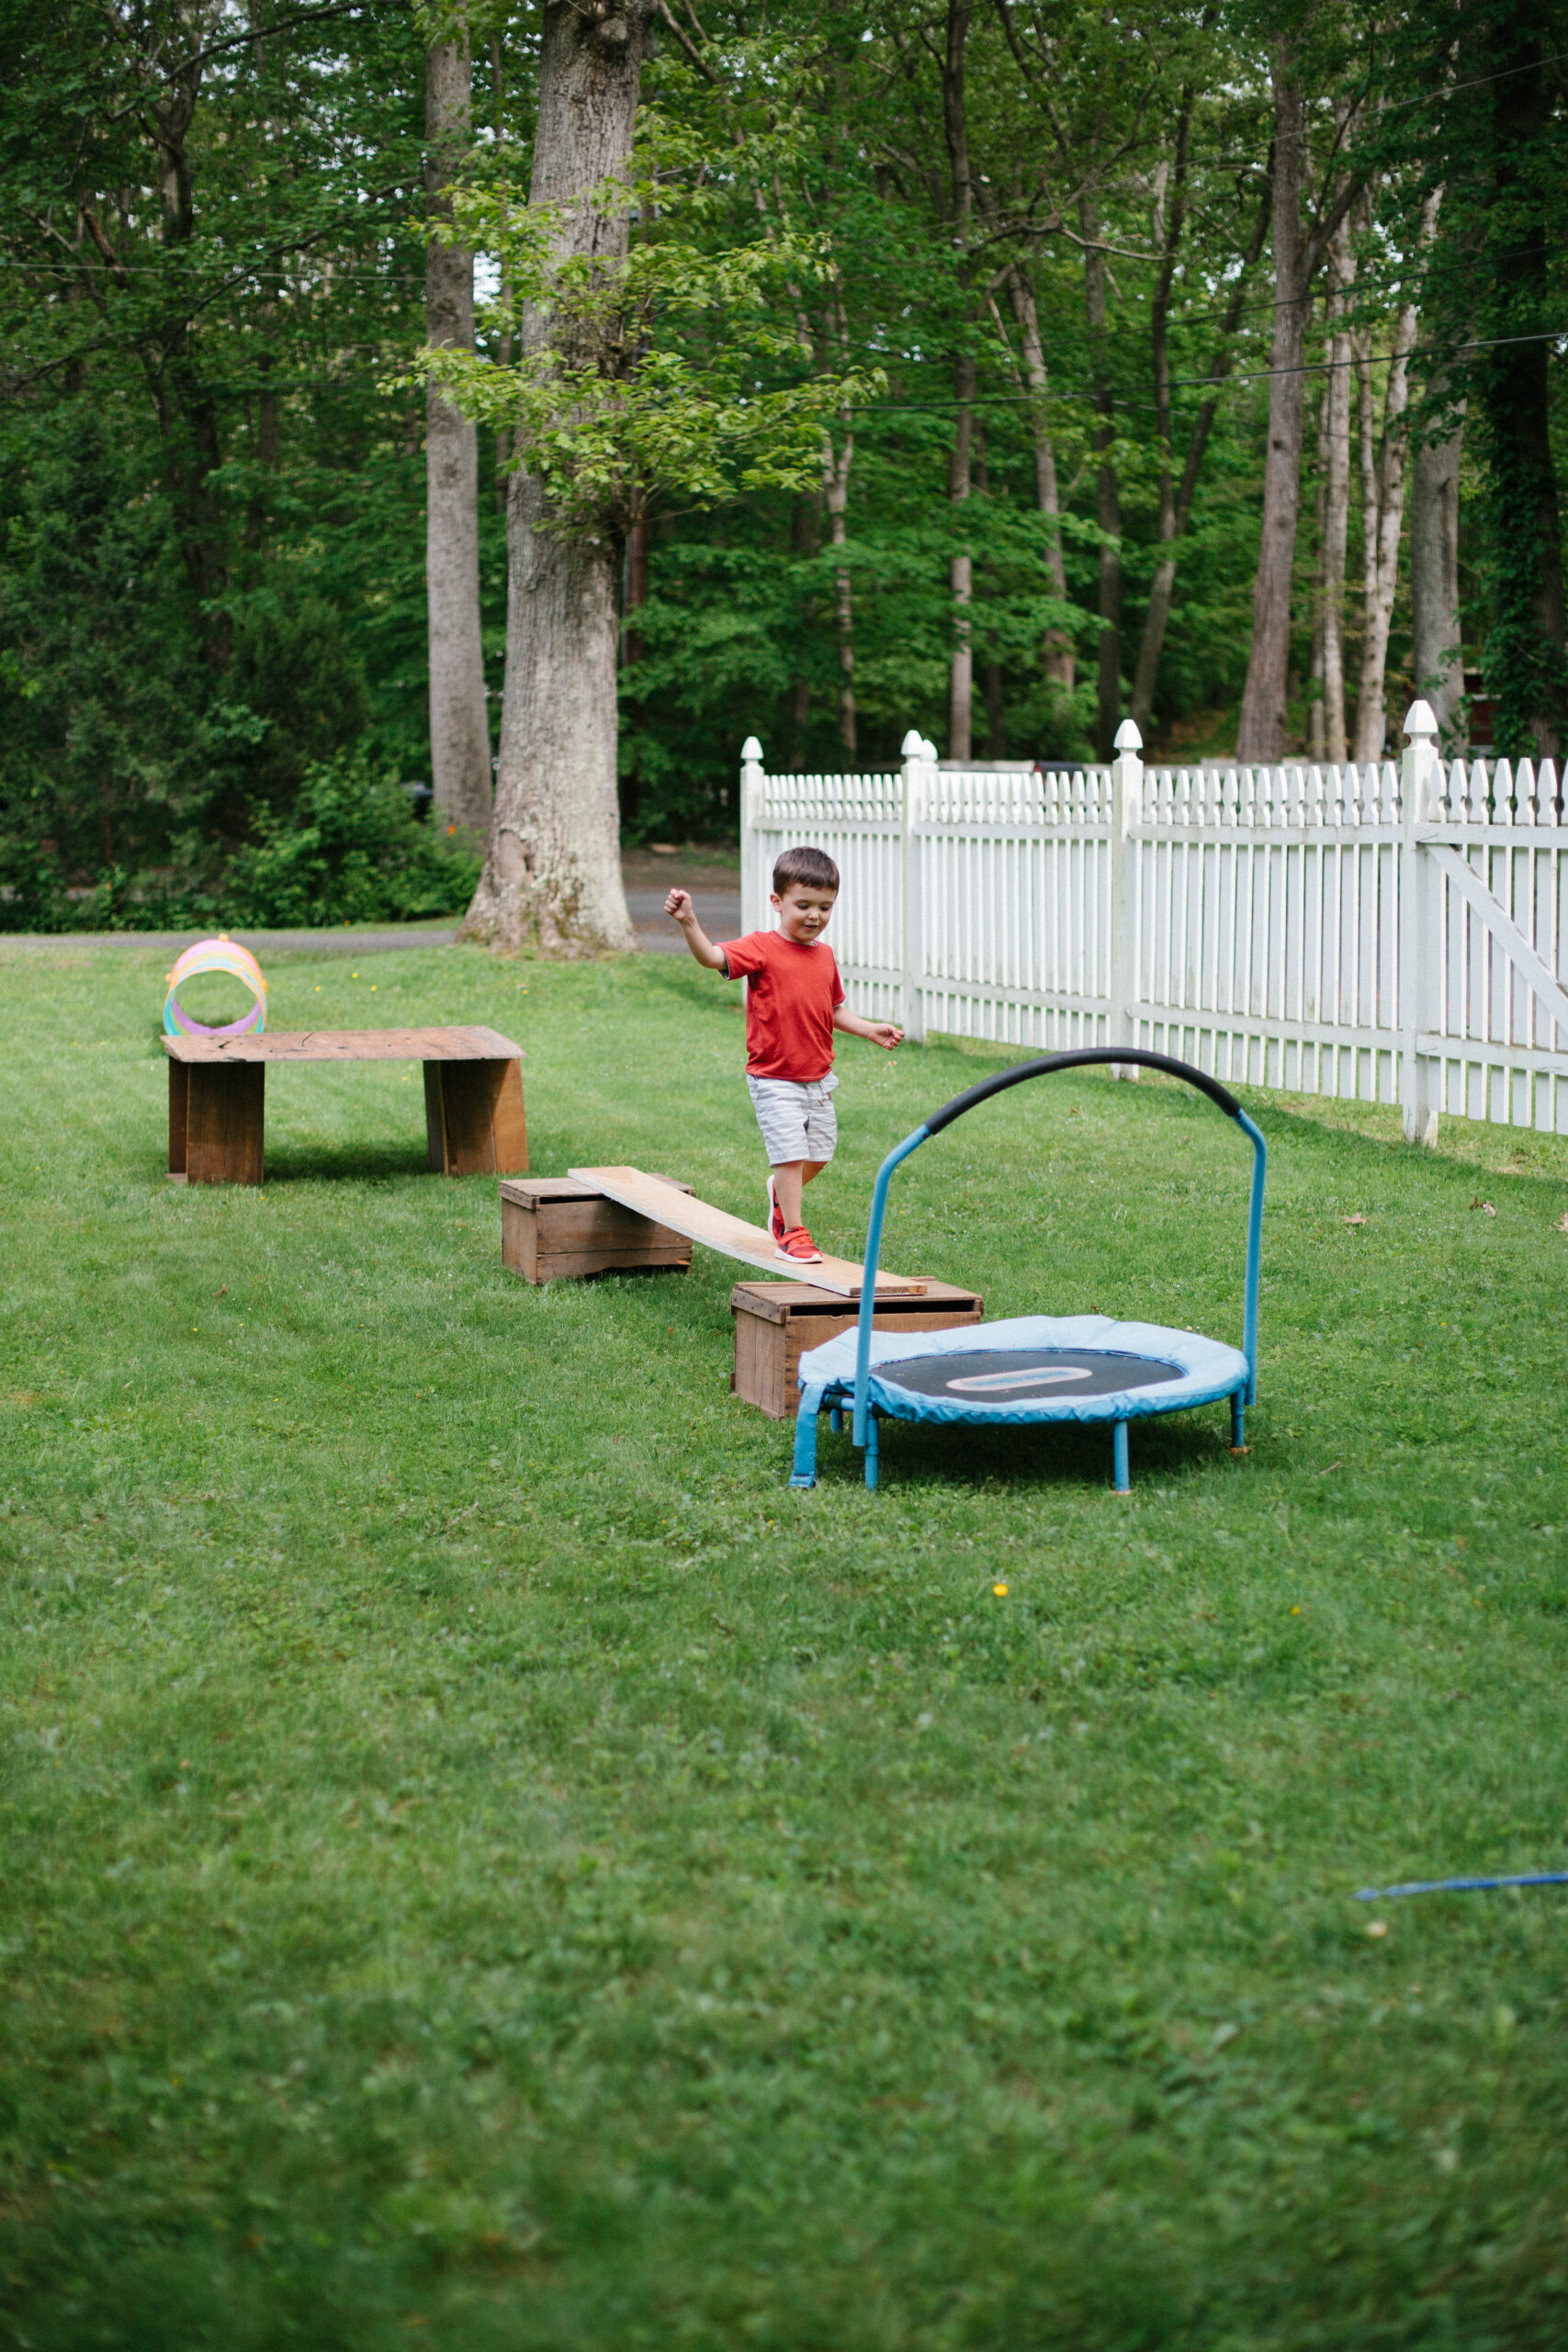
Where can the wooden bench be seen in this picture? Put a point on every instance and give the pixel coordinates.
(473, 1096)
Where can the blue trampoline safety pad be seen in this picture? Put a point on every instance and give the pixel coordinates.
(1032, 1368)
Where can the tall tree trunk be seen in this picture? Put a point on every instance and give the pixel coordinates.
(1336, 498)
(1317, 736)
(1382, 520)
(961, 572)
(1436, 627)
(269, 445)
(800, 713)
(1168, 228)
(1056, 647)
(805, 532)
(836, 466)
(188, 412)
(1107, 498)
(498, 124)
(1260, 733)
(460, 724)
(961, 566)
(996, 692)
(554, 870)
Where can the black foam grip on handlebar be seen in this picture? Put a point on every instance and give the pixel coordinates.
(1217, 1094)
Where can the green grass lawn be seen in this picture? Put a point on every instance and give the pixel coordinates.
(484, 1864)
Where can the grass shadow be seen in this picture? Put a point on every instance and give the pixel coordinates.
(370, 1163)
(1040, 1457)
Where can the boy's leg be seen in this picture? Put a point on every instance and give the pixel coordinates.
(788, 1177)
(787, 1115)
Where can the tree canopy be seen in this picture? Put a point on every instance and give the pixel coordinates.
(934, 391)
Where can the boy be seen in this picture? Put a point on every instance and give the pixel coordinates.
(794, 1002)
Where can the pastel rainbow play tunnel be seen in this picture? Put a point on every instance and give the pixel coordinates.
(219, 954)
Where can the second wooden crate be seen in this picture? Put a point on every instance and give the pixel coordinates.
(553, 1229)
(776, 1322)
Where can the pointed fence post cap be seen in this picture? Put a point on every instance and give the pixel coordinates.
(912, 746)
(1128, 738)
(1420, 719)
(751, 751)
(928, 750)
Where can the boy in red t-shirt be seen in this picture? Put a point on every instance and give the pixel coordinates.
(794, 1002)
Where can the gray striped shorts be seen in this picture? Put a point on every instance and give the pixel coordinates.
(797, 1116)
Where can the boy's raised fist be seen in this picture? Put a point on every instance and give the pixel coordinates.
(679, 904)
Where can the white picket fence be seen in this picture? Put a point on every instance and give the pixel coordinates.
(1396, 934)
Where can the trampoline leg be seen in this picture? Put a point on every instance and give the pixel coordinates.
(835, 1420)
(870, 1449)
(1118, 1457)
(1238, 1424)
(804, 1473)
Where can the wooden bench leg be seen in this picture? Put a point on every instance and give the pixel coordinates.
(225, 1116)
(473, 1115)
(179, 1096)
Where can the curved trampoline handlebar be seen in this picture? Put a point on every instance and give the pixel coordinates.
(1219, 1096)
(1222, 1098)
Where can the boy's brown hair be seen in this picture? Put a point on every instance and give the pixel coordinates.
(814, 867)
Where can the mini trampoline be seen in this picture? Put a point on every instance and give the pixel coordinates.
(1035, 1367)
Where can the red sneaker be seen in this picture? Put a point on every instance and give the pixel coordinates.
(776, 1225)
(798, 1249)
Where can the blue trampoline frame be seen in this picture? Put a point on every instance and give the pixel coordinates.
(833, 1392)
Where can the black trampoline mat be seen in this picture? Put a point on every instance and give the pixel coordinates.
(1024, 1375)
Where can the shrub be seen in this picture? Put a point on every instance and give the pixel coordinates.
(349, 850)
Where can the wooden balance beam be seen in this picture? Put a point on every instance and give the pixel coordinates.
(664, 1204)
(473, 1096)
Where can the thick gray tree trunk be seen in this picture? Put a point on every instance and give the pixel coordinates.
(1436, 628)
(1261, 734)
(553, 874)
(459, 728)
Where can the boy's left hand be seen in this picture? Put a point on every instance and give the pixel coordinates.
(886, 1033)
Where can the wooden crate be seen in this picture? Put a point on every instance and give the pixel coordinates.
(554, 1229)
(776, 1322)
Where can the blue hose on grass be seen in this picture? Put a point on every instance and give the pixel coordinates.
(1460, 1885)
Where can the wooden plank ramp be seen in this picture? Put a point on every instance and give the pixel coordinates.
(653, 1197)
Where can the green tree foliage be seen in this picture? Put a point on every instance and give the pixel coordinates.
(1489, 128)
(654, 388)
(211, 473)
(208, 567)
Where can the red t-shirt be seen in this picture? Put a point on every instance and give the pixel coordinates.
(792, 993)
